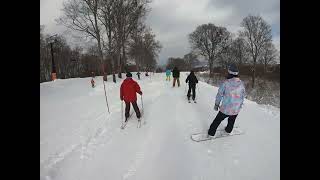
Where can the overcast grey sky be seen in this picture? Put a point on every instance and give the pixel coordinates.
(173, 20)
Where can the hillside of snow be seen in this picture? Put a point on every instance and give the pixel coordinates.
(80, 140)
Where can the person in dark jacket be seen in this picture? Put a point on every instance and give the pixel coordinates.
(192, 80)
(138, 74)
(92, 82)
(128, 92)
(176, 75)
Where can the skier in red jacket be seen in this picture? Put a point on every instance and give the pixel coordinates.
(128, 91)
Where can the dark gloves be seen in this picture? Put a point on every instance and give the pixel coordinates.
(216, 107)
(140, 92)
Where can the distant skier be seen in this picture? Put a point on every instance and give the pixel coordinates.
(128, 91)
(176, 75)
(147, 73)
(168, 74)
(92, 82)
(138, 74)
(231, 92)
(114, 77)
(192, 80)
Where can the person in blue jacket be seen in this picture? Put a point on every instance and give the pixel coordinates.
(168, 74)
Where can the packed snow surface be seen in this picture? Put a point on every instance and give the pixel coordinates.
(80, 140)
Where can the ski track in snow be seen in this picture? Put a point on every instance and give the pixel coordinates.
(86, 147)
(102, 135)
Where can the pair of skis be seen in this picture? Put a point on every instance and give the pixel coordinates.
(124, 124)
(193, 101)
(139, 120)
(138, 125)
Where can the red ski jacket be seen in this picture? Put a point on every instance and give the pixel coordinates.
(128, 90)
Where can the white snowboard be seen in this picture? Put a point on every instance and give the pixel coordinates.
(219, 133)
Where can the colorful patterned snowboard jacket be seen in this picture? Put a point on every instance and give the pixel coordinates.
(231, 92)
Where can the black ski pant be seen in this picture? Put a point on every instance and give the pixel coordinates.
(193, 88)
(219, 118)
(174, 81)
(135, 107)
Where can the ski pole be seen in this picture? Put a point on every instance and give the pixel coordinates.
(104, 86)
(185, 88)
(142, 110)
(198, 93)
(122, 111)
(141, 104)
(105, 94)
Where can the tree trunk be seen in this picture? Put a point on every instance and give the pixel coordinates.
(240, 60)
(112, 65)
(119, 66)
(124, 61)
(210, 68)
(265, 67)
(124, 51)
(100, 53)
(119, 60)
(254, 72)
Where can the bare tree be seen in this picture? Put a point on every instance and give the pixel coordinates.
(136, 46)
(256, 33)
(176, 62)
(226, 57)
(268, 56)
(239, 51)
(235, 53)
(107, 17)
(127, 15)
(82, 16)
(76, 54)
(209, 41)
(152, 48)
(45, 64)
(191, 60)
(144, 49)
(62, 56)
(67, 60)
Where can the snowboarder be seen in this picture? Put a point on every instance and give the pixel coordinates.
(176, 75)
(192, 80)
(138, 74)
(92, 82)
(128, 91)
(168, 74)
(231, 92)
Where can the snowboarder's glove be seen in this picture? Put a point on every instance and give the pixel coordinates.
(140, 92)
(216, 107)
